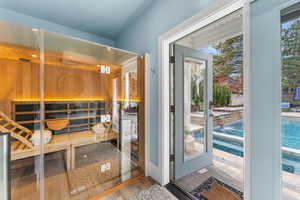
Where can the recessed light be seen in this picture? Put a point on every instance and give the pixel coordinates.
(34, 55)
(35, 30)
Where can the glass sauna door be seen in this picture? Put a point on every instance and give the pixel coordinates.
(92, 109)
(73, 110)
(19, 85)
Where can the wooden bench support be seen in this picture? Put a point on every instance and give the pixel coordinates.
(64, 142)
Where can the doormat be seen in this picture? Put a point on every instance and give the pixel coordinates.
(214, 189)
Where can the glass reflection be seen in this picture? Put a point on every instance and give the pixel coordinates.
(194, 111)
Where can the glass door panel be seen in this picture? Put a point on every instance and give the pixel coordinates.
(75, 117)
(92, 114)
(20, 80)
(195, 86)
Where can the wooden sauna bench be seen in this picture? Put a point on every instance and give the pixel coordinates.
(66, 142)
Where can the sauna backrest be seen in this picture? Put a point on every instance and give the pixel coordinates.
(19, 132)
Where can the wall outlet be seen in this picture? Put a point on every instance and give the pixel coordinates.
(103, 168)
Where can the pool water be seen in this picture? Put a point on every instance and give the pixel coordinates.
(290, 130)
(290, 139)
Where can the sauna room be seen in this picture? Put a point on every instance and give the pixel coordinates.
(74, 111)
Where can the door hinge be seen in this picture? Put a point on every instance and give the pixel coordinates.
(172, 158)
(172, 59)
(172, 108)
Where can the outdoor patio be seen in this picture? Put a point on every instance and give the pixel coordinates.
(232, 166)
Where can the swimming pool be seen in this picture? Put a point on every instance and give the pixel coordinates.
(290, 130)
(290, 140)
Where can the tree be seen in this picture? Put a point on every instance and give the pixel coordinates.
(229, 59)
(290, 41)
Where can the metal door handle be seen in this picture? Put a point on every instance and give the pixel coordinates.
(210, 105)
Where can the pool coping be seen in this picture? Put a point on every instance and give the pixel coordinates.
(285, 150)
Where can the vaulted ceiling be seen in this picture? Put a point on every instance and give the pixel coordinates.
(105, 18)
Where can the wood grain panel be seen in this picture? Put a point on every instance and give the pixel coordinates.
(76, 61)
(20, 81)
(65, 83)
(17, 80)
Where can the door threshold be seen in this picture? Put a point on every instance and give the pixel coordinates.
(178, 192)
(116, 188)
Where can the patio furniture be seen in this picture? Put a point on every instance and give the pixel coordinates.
(297, 94)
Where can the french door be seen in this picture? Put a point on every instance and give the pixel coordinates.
(193, 111)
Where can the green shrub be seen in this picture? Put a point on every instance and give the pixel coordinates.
(197, 96)
(221, 95)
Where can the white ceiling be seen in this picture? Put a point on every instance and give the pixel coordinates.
(221, 30)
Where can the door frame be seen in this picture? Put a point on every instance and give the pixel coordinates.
(215, 11)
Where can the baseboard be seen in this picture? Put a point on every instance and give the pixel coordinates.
(154, 172)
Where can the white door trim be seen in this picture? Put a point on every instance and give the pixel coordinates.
(208, 15)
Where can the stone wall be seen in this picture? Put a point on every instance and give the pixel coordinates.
(219, 120)
(227, 118)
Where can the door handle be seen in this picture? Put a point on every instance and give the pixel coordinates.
(211, 115)
(210, 105)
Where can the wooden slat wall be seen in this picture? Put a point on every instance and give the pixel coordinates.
(15, 52)
(17, 80)
(65, 83)
(20, 81)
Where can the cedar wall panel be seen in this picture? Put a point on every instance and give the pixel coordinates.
(70, 83)
(20, 81)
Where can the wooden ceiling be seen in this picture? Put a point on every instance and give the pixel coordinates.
(65, 59)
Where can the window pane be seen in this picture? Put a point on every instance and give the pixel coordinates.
(290, 115)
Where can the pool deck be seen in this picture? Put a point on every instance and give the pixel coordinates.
(233, 166)
(291, 114)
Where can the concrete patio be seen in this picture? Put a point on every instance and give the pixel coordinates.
(232, 166)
